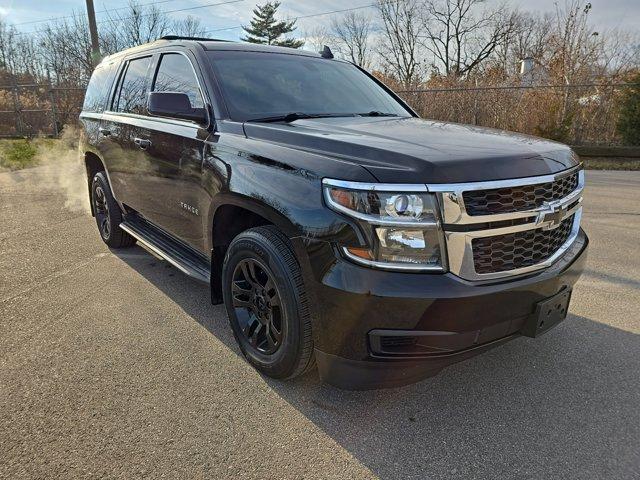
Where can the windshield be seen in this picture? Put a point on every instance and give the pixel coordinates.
(259, 85)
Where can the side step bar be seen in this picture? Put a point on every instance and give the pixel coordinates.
(160, 244)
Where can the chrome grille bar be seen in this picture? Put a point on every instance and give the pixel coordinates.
(461, 228)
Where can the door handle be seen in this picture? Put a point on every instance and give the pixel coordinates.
(142, 143)
(104, 131)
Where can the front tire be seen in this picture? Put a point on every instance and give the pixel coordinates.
(267, 304)
(108, 214)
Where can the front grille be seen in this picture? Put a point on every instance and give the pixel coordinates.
(500, 253)
(516, 199)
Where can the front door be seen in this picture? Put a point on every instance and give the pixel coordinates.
(176, 153)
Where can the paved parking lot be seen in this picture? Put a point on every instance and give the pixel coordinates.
(115, 365)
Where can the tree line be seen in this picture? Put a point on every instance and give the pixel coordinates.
(412, 45)
(409, 41)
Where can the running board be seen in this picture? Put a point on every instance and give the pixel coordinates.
(184, 258)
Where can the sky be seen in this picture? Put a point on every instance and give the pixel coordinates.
(217, 19)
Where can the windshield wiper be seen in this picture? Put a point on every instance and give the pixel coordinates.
(292, 117)
(375, 113)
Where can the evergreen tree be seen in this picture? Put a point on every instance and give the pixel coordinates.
(629, 119)
(266, 29)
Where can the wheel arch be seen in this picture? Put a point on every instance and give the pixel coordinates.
(230, 215)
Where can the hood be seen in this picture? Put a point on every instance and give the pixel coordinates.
(412, 150)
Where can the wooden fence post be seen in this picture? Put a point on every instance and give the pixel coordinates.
(52, 99)
(17, 108)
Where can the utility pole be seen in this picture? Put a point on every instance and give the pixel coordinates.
(93, 29)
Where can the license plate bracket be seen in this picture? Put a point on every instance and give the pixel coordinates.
(548, 314)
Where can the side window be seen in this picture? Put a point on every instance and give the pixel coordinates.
(175, 74)
(132, 97)
(95, 99)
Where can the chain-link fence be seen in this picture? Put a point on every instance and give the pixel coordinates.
(33, 109)
(576, 114)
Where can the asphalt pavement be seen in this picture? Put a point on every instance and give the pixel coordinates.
(115, 365)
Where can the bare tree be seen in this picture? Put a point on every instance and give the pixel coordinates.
(136, 25)
(402, 27)
(19, 54)
(7, 43)
(460, 34)
(620, 52)
(352, 31)
(529, 38)
(316, 38)
(575, 45)
(531, 35)
(66, 50)
(28, 53)
(189, 27)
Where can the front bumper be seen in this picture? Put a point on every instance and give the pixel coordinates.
(446, 318)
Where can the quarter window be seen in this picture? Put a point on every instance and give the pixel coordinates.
(95, 98)
(175, 74)
(133, 91)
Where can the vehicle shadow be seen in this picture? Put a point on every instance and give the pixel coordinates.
(561, 406)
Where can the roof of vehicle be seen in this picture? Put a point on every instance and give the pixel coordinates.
(255, 47)
(212, 44)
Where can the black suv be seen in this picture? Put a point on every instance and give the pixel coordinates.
(337, 227)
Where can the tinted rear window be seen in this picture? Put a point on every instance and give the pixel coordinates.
(132, 97)
(95, 99)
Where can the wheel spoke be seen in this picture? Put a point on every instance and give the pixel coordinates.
(254, 295)
(271, 293)
(277, 335)
(277, 330)
(271, 342)
(99, 206)
(254, 336)
(241, 303)
(274, 299)
(238, 290)
(249, 273)
(247, 327)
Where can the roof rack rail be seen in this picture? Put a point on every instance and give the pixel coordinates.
(201, 39)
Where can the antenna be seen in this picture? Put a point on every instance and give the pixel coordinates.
(326, 52)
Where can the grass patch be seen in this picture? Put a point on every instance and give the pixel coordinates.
(16, 154)
(611, 163)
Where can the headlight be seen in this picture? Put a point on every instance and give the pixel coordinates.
(403, 226)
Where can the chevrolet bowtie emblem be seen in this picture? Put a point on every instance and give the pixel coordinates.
(550, 215)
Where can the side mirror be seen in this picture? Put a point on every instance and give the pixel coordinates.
(175, 105)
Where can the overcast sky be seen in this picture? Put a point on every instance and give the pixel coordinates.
(605, 14)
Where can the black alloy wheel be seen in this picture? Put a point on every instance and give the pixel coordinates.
(257, 306)
(269, 309)
(108, 214)
(101, 209)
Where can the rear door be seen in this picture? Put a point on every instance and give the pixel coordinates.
(124, 135)
(176, 154)
(95, 99)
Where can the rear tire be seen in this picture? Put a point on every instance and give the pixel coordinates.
(108, 214)
(267, 303)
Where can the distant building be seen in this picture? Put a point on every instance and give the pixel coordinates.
(532, 73)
